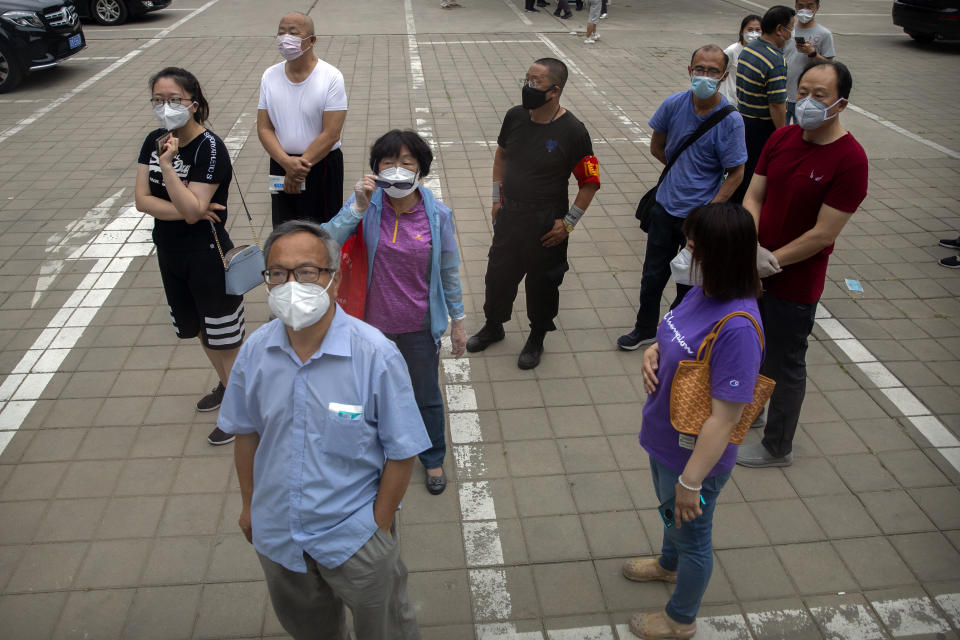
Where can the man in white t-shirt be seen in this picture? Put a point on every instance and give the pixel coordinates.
(303, 105)
(817, 46)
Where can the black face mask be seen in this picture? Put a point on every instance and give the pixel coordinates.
(534, 98)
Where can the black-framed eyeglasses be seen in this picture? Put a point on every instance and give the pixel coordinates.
(305, 274)
(386, 184)
(156, 102)
(705, 71)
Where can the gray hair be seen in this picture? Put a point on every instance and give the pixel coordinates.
(297, 226)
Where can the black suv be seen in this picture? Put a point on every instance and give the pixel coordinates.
(36, 34)
(927, 20)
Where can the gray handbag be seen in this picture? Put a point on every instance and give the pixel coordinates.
(243, 266)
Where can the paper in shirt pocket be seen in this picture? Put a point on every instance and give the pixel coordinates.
(346, 411)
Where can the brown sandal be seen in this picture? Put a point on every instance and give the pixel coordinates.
(656, 626)
(647, 570)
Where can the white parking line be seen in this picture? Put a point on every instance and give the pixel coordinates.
(86, 84)
(114, 248)
(910, 134)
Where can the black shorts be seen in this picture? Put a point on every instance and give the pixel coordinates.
(194, 284)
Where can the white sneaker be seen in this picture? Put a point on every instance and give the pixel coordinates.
(589, 41)
(596, 37)
(603, 16)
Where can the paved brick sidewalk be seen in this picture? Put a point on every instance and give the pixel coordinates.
(118, 520)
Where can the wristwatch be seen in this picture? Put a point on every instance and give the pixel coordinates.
(566, 225)
(812, 55)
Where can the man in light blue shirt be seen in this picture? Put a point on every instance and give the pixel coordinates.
(695, 179)
(327, 432)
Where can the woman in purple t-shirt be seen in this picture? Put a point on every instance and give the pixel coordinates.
(413, 279)
(721, 253)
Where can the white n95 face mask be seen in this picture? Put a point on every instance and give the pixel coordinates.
(397, 182)
(172, 116)
(299, 304)
(682, 271)
(811, 113)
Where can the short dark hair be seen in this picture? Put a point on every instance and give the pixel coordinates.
(776, 16)
(189, 83)
(556, 69)
(725, 250)
(710, 48)
(844, 79)
(743, 25)
(307, 226)
(389, 144)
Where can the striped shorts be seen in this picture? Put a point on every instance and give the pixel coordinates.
(194, 284)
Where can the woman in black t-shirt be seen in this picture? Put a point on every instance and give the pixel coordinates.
(182, 181)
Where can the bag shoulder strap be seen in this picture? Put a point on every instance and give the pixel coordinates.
(706, 347)
(705, 126)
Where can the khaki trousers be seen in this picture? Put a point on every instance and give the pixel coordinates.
(372, 582)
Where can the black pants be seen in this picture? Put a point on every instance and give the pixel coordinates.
(517, 252)
(322, 198)
(786, 326)
(757, 132)
(664, 241)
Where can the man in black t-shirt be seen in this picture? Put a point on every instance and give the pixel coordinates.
(539, 146)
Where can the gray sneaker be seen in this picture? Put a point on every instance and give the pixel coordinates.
(756, 455)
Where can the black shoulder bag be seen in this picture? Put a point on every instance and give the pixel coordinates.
(645, 208)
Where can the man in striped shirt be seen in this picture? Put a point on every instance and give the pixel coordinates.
(762, 87)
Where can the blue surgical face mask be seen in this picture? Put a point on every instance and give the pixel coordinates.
(703, 86)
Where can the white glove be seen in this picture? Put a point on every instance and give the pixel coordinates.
(767, 264)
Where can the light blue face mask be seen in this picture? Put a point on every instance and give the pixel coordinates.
(703, 86)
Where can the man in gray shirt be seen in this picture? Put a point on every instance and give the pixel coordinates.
(817, 46)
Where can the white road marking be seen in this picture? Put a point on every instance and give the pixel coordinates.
(465, 428)
(950, 603)
(92, 222)
(420, 99)
(89, 82)
(582, 633)
(617, 110)
(520, 14)
(910, 617)
(488, 590)
(770, 624)
(482, 543)
(505, 631)
(848, 621)
(446, 42)
(113, 249)
(910, 134)
(87, 58)
(896, 392)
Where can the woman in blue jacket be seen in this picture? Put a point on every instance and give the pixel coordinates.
(413, 280)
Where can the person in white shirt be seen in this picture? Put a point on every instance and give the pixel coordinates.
(817, 46)
(749, 31)
(302, 108)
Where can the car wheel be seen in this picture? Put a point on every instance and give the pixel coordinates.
(922, 37)
(109, 12)
(11, 73)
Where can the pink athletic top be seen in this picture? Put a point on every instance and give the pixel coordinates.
(399, 296)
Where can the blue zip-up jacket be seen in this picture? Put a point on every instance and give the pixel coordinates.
(446, 296)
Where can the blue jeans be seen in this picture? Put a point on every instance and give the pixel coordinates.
(422, 355)
(689, 549)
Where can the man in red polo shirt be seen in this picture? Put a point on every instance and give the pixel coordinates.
(809, 180)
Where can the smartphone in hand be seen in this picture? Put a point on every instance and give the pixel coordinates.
(666, 511)
(161, 141)
(800, 41)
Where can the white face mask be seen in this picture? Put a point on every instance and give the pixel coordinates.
(750, 36)
(804, 16)
(682, 272)
(299, 304)
(172, 116)
(402, 182)
(289, 46)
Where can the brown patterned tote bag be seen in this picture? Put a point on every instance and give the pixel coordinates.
(690, 400)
